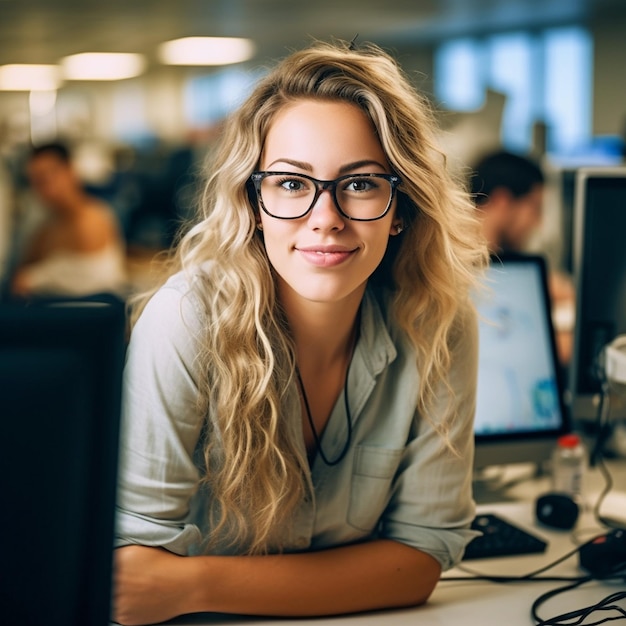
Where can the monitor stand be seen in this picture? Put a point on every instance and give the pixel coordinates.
(492, 484)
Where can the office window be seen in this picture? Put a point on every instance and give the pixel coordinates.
(510, 71)
(568, 62)
(208, 99)
(459, 85)
(546, 77)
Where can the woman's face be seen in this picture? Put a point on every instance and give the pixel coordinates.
(323, 256)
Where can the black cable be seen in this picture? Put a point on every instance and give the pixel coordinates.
(608, 486)
(530, 576)
(316, 436)
(603, 428)
(579, 615)
(513, 579)
(550, 594)
(596, 457)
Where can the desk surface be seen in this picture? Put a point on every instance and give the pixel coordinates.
(485, 603)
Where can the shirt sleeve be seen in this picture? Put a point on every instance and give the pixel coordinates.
(161, 427)
(431, 506)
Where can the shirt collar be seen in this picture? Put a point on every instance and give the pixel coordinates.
(375, 344)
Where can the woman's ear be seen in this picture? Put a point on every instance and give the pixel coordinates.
(396, 228)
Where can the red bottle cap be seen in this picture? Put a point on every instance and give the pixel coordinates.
(568, 441)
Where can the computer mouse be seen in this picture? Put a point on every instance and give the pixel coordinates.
(557, 510)
(605, 556)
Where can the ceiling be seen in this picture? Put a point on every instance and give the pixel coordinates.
(43, 31)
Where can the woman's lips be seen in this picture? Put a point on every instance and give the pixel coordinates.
(325, 256)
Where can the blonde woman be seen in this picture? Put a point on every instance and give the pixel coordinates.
(300, 393)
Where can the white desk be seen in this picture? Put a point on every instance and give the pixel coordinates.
(485, 603)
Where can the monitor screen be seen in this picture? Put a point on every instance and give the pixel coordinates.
(520, 410)
(60, 390)
(600, 280)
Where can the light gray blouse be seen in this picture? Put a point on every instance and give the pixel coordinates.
(398, 480)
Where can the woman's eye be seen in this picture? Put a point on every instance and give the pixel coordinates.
(293, 184)
(360, 184)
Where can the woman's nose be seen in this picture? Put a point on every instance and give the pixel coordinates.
(324, 214)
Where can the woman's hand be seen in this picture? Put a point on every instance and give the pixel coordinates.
(150, 585)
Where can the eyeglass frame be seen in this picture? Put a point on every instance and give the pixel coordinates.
(320, 186)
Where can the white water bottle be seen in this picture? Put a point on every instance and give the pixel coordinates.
(569, 461)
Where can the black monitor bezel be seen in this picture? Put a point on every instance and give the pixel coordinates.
(527, 446)
(584, 406)
(48, 341)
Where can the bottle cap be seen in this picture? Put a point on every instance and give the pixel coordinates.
(568, 441)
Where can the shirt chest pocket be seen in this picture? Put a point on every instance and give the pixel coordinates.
(373, 470)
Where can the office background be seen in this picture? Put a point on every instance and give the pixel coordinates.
(536, 77)
(41, 32)
(540, 77)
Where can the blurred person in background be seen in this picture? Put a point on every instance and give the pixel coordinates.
(508, 190)
(6, 220)
(79, 249)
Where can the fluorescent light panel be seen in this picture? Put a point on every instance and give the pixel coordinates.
(206, 51)
(28, 77)
(102, 66)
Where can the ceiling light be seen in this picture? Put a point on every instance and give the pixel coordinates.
(103, 66)
(206, 51)
(26, 77)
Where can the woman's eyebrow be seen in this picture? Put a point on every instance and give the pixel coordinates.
(344, 169)
(348, 167)
(299, 164)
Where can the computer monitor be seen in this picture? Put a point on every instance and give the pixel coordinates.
(520, 409)
(60, 388)
(600, 282)
(567, 192)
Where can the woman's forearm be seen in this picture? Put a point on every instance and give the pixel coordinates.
(374, 575)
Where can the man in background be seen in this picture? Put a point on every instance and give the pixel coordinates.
(508, 191)
(79, 249)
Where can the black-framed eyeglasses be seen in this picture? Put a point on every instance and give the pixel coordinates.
(359, 197)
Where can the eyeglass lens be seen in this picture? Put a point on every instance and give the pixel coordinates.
(359, 197)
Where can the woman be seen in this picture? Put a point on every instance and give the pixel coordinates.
(79, 248)
(300, 395)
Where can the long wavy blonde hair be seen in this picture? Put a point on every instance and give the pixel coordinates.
(254, 470)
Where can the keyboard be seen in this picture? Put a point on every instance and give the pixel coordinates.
(501, 538)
